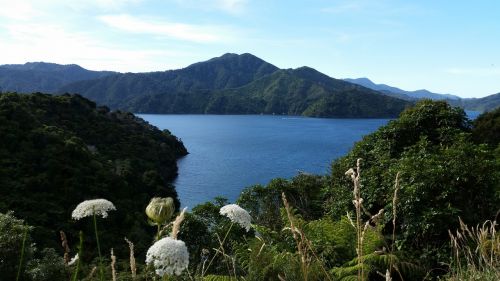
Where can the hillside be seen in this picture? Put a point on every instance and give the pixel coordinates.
(43, 77)
(444, 166)
(399, 93)
(238, 84)
(305, 91)
(227, 71)
(487, 103)
(57, 151)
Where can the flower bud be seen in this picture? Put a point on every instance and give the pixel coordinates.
(160, 210)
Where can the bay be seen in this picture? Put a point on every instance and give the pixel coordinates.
(230, 152)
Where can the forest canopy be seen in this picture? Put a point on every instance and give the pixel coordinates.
(56, 151)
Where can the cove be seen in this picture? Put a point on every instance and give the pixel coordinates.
(230, 152)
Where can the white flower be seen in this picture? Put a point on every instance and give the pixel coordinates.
(88, 208)
(73, 260)
(169, 256)
(237, 215)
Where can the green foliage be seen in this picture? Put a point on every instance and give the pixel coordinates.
(218, 278)
(440, 185)
(376, 264)
(205, 228)
(304, 192)
(487, 128)
(12, 231)
(56, 151)
(47, 267)
(265, 261)
(443, 175)
(447, 169)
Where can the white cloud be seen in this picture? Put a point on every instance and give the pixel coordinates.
(228, 6)
(182, 31)
(347, 7)
(377, 8)
(52, 43)
(109, 5)
(232, 6)
(17, 10)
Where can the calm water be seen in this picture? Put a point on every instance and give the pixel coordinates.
(231, 152)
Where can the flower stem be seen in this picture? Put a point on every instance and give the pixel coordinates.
(98, 250)
(221, 246)
(22, 253)
(158, 232)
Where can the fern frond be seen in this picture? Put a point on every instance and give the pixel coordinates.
(219, 278)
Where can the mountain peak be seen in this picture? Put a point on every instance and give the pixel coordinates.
(236, 63)
(233, 56)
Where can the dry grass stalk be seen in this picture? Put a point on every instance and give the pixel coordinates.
(177, 224)
(113, 264)
(91, 274)
(65, 246)
(388, 275)
(299, 239)
(478, 250)
(295, 231)
(358, 201)
(133, 265)
(360, 226)
(303, 244)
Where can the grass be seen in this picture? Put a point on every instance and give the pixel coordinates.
(476, 252)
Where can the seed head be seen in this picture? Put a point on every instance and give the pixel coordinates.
(160, 210)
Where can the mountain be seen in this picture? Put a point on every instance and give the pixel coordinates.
(237, 84)
(227, 71)
(43, 77)
(396, 92)
(57, 151)
(487, 103)
(476, 104)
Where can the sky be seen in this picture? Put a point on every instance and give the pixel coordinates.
(444, 46)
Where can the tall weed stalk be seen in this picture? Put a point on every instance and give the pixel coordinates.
(475, 252)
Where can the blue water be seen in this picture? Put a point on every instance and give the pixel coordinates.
(472, 114)
(231, 152)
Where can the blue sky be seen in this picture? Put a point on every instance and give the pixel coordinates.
(443, 46)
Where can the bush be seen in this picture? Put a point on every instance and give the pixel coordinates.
(12, 233)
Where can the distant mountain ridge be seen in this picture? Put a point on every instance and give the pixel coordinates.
(229, 84)
(43, 77)
(397, 92)
(487, 103)
(238, 84)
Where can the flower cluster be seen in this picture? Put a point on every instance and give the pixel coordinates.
(169, 256)
(88, 208)
(237, 215)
